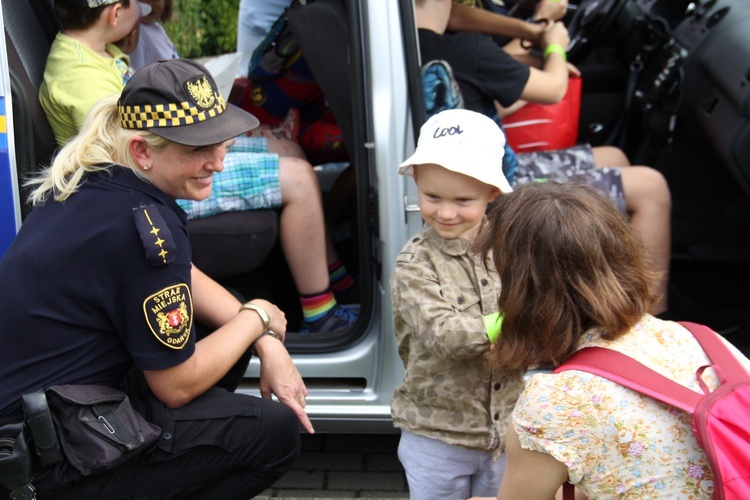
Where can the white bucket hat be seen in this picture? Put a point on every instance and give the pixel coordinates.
(463, 141)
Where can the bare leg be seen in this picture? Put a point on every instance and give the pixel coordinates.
(285, 148)
(609, 156)
(302, 228)
(290, 149)
(649, 204)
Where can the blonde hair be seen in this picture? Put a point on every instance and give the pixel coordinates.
(100, 145)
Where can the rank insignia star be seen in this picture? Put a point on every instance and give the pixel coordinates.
(155, 235)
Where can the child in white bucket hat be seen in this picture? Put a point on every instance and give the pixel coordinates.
(451, 409)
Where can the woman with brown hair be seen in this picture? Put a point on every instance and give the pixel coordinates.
(574, 274)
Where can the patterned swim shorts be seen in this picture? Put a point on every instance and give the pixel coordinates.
(249, 181)
(574, 164)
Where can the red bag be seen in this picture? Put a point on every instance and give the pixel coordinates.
(720, 418)
(545, 127)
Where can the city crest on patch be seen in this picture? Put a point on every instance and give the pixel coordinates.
(169, 315)
(201, 92)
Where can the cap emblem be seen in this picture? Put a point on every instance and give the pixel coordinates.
(201, 92)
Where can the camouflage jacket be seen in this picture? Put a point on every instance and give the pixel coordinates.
(440, 294)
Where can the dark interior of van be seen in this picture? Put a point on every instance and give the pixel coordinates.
(688, 98)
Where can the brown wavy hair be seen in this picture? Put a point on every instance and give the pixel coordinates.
(568, 261)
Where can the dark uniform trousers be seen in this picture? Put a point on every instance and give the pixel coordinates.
(220, 445)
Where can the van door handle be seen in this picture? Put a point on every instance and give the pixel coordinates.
(410, 207)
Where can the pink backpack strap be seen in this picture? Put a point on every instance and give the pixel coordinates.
(719, 354)
(628, 372)
(569, 492)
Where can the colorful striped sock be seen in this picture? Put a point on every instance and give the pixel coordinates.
(339, 276)
(317, 305)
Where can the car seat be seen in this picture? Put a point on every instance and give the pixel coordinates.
(223, 245)
(27, 48)
(440, 88)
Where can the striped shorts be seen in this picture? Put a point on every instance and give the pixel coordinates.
(249, 181)
(574, 164)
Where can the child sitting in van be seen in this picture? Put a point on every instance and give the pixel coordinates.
(84, 64)
(451, 408)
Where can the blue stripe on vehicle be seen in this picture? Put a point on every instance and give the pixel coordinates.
(7, 205)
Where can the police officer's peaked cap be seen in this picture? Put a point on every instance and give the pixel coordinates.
(178, 100)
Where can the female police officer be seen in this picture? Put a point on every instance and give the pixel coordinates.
(99, 280)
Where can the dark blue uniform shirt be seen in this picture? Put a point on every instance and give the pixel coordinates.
(94, 285)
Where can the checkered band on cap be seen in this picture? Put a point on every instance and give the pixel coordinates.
(149, 116)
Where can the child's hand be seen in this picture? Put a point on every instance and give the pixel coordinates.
(573, 71)
(554, 10)
(556, 34)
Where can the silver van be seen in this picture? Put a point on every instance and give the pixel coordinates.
(687, 95)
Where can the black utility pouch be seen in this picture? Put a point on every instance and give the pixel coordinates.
(97, 426)
(39, 421)
(16, 464)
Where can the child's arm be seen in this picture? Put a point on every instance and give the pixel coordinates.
(529, 474)
(446, 328)
(465, 18)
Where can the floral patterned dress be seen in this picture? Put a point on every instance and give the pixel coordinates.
(615, 441)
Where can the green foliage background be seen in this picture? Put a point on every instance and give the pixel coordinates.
(204, 27)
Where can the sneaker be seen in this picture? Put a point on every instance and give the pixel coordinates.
(340, 317)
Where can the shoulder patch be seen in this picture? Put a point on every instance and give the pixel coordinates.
(156, 237)
(169, 315)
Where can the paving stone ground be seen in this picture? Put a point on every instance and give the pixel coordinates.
(344, 466)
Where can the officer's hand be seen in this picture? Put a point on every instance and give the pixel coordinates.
(280, 377)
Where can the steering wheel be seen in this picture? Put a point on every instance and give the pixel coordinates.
(591, 22)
